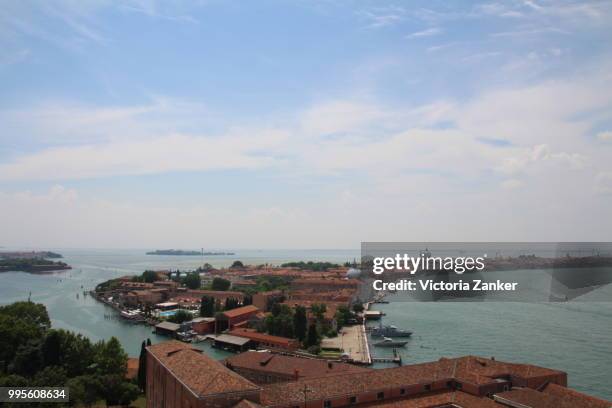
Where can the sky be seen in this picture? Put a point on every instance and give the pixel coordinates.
(303, 124)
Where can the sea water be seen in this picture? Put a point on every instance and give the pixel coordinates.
(575, 337)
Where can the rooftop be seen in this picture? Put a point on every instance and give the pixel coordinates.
(469, 369)
(240, 311)
(229, 339)
(200, 373)
(262, 337)
(555, 397)
(168, 326)
(287, 365)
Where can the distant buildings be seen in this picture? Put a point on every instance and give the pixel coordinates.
(181, 376)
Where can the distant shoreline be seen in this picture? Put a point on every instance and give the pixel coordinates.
(179, 252)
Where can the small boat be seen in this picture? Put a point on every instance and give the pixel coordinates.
(387, 342)
(390, 331)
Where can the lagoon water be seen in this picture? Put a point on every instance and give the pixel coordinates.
(575, 337)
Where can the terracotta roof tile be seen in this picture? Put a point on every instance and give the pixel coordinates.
(200, 373)
(240, 311)
(286, 365)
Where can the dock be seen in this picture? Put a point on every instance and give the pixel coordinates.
(397, 358)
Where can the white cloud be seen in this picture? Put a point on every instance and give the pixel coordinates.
(156, 155)
(425, 33)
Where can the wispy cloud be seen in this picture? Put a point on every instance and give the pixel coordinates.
(429, 32)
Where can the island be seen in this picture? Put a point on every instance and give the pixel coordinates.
(31, 265)
(186, 253)
(30, 254)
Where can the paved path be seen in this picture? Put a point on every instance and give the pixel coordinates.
(353, 341)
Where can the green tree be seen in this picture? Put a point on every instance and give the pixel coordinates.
(207, 306)
(149, 276)
(116, 391)
(84, 390)
(142, 367)
(52, 376)
(28, 359)
(180, 317)
(318, 310)
(358, 307)
(110, 359)
(192, 280)
(237, 265)
(30, 312)
(312, 339)
(221, 284)
(343, 315)
(300, 323)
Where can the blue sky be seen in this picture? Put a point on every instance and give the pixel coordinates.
(312, 124)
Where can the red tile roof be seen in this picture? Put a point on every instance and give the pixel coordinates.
(262, 337)
(287, 365)
(561, 397)
(240, 311)
(200, 373)
(468, 369)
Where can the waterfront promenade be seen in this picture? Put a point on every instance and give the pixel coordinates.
(353, 340)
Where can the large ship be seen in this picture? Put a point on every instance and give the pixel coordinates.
(390, 331)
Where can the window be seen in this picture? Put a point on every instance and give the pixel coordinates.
(427, 387)
(449, 384)
(459, 386)
(380, 395)
(327, 404)
(353, 400)
(402, 391)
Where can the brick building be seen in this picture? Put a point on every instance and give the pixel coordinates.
(179, 376)
(266, 340)
(228, 319)
(267, 368)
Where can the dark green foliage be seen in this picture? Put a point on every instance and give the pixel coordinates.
(311, 266)
(231, 303)
(280, 322)
(237, 265)
(142, 367)
(180, 317)
(109, 357)
(60, 358)
(52, 376)
(30, 312)
(247, 300)
(28, 359)
(220, 284)
(312, 339)
(300, 323)
(358, 307)
(109, 285)
(85, 389)
(116, 391)
(207, 306)
(149, 276)
(192, 280)
(343, 316)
